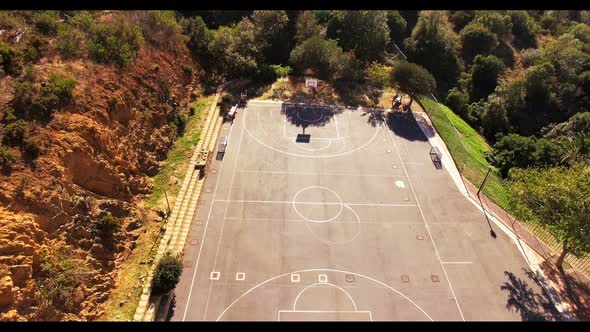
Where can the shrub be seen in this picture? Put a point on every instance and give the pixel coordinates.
(323, 56)
(530, 57)
(61, 86)
(180, 121)
(59, 277)
(167, 274)
(281, 71)
(7, 157)
(107, 226)
(378, 75)
(457, 101)
(116, 42)
(9, 116)
(188, 69)
(32, 147)
(10, 60)
(35, 48)
(227, 99)
(69, 42)
(47, 22)
(83, 21)
(15, 133)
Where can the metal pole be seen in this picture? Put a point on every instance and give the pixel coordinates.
(483, 183)
(167, 203)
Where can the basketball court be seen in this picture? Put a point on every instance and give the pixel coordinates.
(319, 213)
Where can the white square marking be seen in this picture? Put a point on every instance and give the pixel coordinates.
(295, 277)
(323, 278)
(240, 276)
(215, 275)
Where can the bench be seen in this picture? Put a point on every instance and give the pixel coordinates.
(221, 147)
(436, 157)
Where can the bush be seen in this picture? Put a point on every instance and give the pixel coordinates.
(324, 57)
(9, 116)
(35, 48)
(61, 86)
(281, 71)
(107, 226)
(83, 21)
(188, 69)
(116, 42)
(47, 22)
(30, 102)
(167, 274)
(10, 60)
(530, 57)
(180, 121)
(7, 157)
(70, 42)
(378, 75)
(32, 147)
(477, 39)
(15, 133)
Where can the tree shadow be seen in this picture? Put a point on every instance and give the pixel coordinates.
(375, 117)
(309, 116)
(575, 287)
(530, 304)
(404, 125)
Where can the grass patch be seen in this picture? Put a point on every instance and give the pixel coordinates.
(468, 148)
(174, 167)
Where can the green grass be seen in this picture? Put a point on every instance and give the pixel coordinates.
(178, 157)
(468, 149)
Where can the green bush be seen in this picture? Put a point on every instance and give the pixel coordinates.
(227, 99)
(70, 42)
(30, 102)
(378, 74)
(83, 21)
(7, 157)
(32, 147)
(167, 274)
(116, 42)
(11, 60)
(35, 48)
(9, 116)
(180, 121)
(457, 101)
(107, 226)
(47, 22)
(282, 71)
(15, 133)
(61, 86)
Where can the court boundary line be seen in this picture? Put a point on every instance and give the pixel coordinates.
(325, 173)
(314, 203)
(205, 231)
(323, 311)
(231, 184)
(426, 224)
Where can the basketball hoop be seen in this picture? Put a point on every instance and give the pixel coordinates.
(311, 82)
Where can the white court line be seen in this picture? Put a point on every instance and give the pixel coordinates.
(324, 173)
(426, 224)
(205, 231)
(337, 130)
(368, 221)
(311, 203)
(457, 262)
(224, 215)
(322, 284)
(325, 312)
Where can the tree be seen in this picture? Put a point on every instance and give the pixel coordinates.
(306, 27)
(498, 23)
(514, 150)
(494, 119)
(271, 34)
(524, 29)
(364, 31)
(484, 76)
(199, 38)
(70, 42)
(167, 274)
(558, 199)
(116, 42)
(412, 79)
(324, 57)
(236, 50)
(457, 101)
(15, 133)
(433, 45)
(477, 39)
(574, 135)
(460, 18)
(397, 26)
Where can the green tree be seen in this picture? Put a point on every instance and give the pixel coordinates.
(494, 119)
(236, 50)
(199, 37)
(160, 28)
(574, 135)
(457, 101)
(460, 18)
(116, 42)
(524, 29)
(498, 23)
(307, 26)
(433, 45)
(397, 26)
(514, 150)
(167, 274)
(477, 39)
(559, 200)
(271, 34)
(324, 57)
(281, 71)
(412, 79)
(364, 31)
(484, 76)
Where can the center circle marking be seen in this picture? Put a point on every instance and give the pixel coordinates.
(317, 220)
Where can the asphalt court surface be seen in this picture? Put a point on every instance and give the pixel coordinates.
(356, 224)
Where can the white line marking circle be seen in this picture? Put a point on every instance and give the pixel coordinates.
(320, 118)
(294, 202)
(322, 284)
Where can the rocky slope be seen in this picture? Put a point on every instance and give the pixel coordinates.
(96, 155)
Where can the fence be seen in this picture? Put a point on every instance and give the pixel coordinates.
(491, 188)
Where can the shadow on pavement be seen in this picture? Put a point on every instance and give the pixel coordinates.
(572, 285)
(309, 116)
(375, 117)
(405, 126)
(530, 304)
